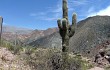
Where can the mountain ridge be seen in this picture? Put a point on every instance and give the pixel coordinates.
(89, 33)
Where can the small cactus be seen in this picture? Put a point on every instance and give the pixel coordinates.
(1, 22)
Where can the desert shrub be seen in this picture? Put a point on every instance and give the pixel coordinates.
(74, 64)
(29, 49)
(82, 63)
(51, 59)
(42, 59)
(8, 45)
(107, 68)
(15, 49)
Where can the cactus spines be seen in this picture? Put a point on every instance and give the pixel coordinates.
(1, 21)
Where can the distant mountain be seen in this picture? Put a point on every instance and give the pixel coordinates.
(89, 33)
(36, 34)
(53, 40)
(10, 32)
(19, 30)
(25, 35)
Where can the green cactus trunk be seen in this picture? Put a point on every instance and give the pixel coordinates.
(1, 21)
(66, 32)
(65, 44)
(65, 29)
(65, 9)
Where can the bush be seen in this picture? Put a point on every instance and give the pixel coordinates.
(11, 47)
(51, 59)
(29, 49)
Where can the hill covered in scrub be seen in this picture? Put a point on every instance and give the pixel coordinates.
(89, 33)
(39, 59)
(53, 40)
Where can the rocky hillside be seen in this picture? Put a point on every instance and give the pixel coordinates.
(36, 34)
(90, 32)
(53, 40)
(9, 61)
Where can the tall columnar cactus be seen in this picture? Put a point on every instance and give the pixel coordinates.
(1, 21)
(65, 29)
(66, 32)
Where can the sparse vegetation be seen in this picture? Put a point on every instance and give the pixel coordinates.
(11, 47)
(51, 59)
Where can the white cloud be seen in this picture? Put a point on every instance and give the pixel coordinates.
(91, 9)
(33, 14)
(56, 11)
(58, 8)
(78, 2)
(48, 18)
(102, 12)
(38, 14)
(52, 13)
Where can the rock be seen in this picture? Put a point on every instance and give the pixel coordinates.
(6, 55)
(102, 52)
(96, 57)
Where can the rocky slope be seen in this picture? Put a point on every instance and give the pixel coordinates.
(53, 40)
(9, 61)
(91, 32)
(36, 34)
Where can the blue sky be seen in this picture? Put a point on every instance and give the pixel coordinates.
(43, 14)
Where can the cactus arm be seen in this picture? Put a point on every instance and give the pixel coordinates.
(72, 27)
(74, 19)
(59, 24)
(64, 23)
